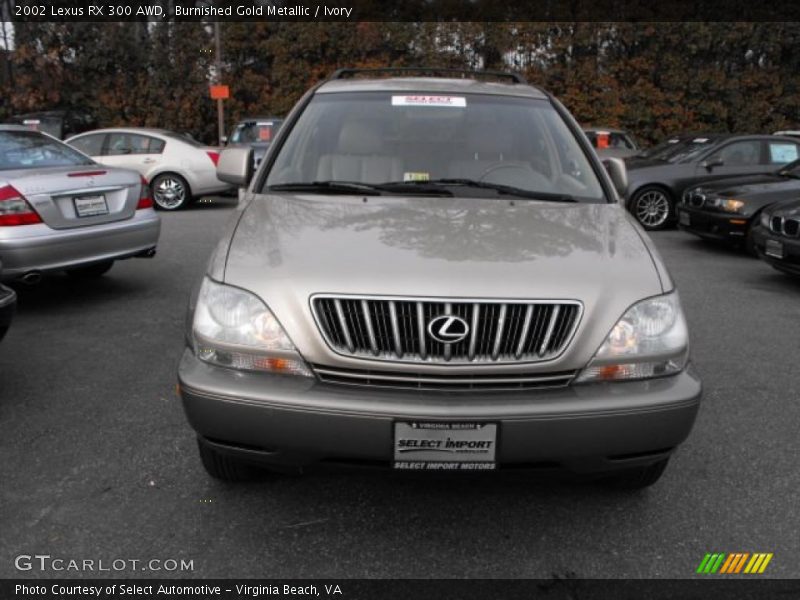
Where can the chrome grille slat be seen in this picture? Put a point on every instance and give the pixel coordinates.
(388, 379)
(396, 328)
(423, 350)
(550, 326)
(526, 324)
(343, 324)
(473, 333)
(373, 344)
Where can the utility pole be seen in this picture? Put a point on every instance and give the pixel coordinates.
(218, 70)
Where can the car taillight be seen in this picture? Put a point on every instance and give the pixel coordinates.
(145, 201)
(15, 210)
(214, 156)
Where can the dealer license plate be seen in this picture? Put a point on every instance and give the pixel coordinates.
(445, 446)
(685, 218)
(774, 249)
(90, 206)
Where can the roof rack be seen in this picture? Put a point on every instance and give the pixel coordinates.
(349, 71)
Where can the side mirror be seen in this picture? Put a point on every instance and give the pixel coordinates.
(618, 173)
(709, 165)
(235, 166)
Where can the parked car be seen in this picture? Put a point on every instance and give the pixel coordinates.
(435, 274)
(657, 184)
(58, 123)
(8, 304)
(789, 132)
(612, 142)
(729, 209)
(777, 238)
(178, 168)
(663, 150)
(256, 133)
(60, 210)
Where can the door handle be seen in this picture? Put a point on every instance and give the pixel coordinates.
(148, 161)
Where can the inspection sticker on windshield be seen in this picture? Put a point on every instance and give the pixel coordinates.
(445, 101)
(445, 446)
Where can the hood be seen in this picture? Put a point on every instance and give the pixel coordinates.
(287, 248)
(756, 191)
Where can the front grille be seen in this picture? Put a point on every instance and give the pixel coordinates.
(396, 329)
(776, 225)
(695, 199)
(791, 227)
(445, 383)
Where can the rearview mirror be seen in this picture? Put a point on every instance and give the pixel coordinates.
(235, 166)
(709, 164)
(618, 173)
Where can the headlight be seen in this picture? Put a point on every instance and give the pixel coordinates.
(650, 340)
(731, 204)
(233, 328)
(765, 219)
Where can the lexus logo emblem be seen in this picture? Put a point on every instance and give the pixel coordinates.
(448, 329)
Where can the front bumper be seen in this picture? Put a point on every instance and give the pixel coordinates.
(8, 304)
(790, 263)
(41, 248)
(726, 227)
(293, 421)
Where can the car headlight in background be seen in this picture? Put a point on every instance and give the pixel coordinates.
(234, 328)
(650, 340)
(731, 205)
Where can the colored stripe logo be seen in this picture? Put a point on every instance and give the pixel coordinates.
(734, 563)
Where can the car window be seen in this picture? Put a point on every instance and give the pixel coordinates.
(30, 150)
(89, 144)
(381, 137)
(782, 152)
(739, 154)
(249, 132)
(130, 143)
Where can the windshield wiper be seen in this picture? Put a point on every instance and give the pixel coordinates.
(331, 187)
(506, 190)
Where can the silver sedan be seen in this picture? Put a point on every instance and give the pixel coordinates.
(60, 210)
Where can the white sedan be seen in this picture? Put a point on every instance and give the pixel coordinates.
(177, 167)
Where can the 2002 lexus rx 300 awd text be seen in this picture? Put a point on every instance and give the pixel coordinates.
(435, 274)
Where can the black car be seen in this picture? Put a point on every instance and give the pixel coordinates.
(58, 123)
(257, 133)
(655, 184)
(729, 209)
(8, 303)
(777, 237)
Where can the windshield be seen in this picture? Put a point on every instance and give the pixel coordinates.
(690, 150)
(421, 141)
(249, 132)
(665, 149)
(31, 150)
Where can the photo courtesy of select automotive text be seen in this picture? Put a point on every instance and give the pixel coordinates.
(380, 300)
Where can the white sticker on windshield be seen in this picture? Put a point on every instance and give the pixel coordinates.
(700, 140)
(446, 101)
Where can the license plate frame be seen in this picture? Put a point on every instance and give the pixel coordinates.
(684, 218)
(93, 205)
(774, 249)
(444, 446)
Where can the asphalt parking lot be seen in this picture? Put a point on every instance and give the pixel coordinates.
(99, 462)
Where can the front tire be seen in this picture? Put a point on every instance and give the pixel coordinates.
(91, 271)
(653, 207)
(637, 478)
(224, 467)
(170, 191)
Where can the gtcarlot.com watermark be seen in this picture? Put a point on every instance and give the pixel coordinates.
(46, 562)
